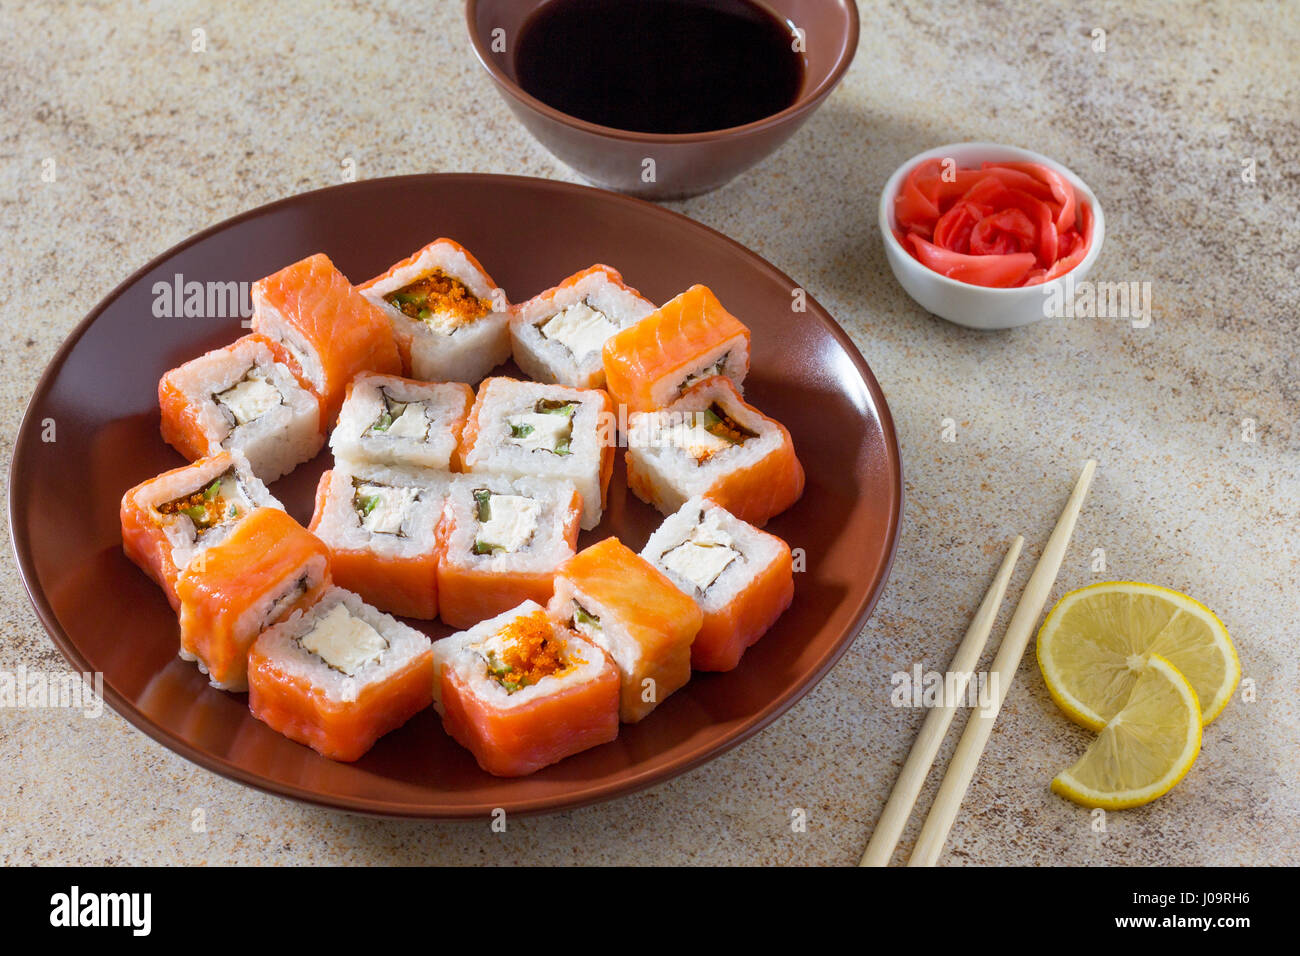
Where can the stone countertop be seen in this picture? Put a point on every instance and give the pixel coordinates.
(150, 142)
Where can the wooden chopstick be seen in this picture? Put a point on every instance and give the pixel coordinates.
(899, 806)
(980, 723)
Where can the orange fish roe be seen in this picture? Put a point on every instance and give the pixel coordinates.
(727, 427)
(204, 507)
(717, 422)
(532, 651)
(439, 294)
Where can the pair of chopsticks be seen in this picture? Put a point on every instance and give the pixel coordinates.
(979, 726)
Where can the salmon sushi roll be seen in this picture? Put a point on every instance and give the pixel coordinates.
(742, 578)
(339, 675)
(709, 442)
(691, 338)
(380, 524)
(266, 568)
(388, 420)
(241, 397)
(620, 601)
(521, 691)
(502, 540)
(519, 429)
(324, 329)
(168, 520)
(451, 322)
(558, 335)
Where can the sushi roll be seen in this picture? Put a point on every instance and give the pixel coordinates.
(266, 568)
(620, 601)
(241, 397)
(380, 524)
(323, 328)
(519, 429)
(709, 442)
(502, 540)
(691, 338)
(741, 578)
(558, 335)
(521, 691)
(388, 420)
(339, 675)
(169, 519)
(451, 322)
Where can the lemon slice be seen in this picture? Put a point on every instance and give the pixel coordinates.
(1096, 641)
(1145, 749)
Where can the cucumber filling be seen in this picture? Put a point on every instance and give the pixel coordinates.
(506, 523)
(442, 302)
(217, 503)
(383, 509)
(525, 651)
(401, 419)
(708, 433)
(548, 427)
(583, 621)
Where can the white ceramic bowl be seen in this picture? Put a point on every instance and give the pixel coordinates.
(976, 306)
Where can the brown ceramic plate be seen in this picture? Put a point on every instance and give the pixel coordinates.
(98, 396)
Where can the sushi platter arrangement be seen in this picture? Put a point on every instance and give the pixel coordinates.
(459, 494)
(269, 468)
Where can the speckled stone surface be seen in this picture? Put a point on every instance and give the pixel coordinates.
(151, 142)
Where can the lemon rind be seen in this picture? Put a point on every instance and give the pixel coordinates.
(1085, 716)
(1066, 786)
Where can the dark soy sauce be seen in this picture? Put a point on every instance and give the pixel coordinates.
(660, 66)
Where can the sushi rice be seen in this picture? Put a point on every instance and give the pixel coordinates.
(522, 429)
(558, 335)
(397, 421)
(502, 540)
(241, 398)
(340, 645)
(390, 510)
(445, 345)
(742, 578)
(230, 490)
(711, 442)
(469, 653)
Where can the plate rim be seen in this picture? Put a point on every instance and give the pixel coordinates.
(571, 799)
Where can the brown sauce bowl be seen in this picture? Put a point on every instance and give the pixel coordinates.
(684, 164)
